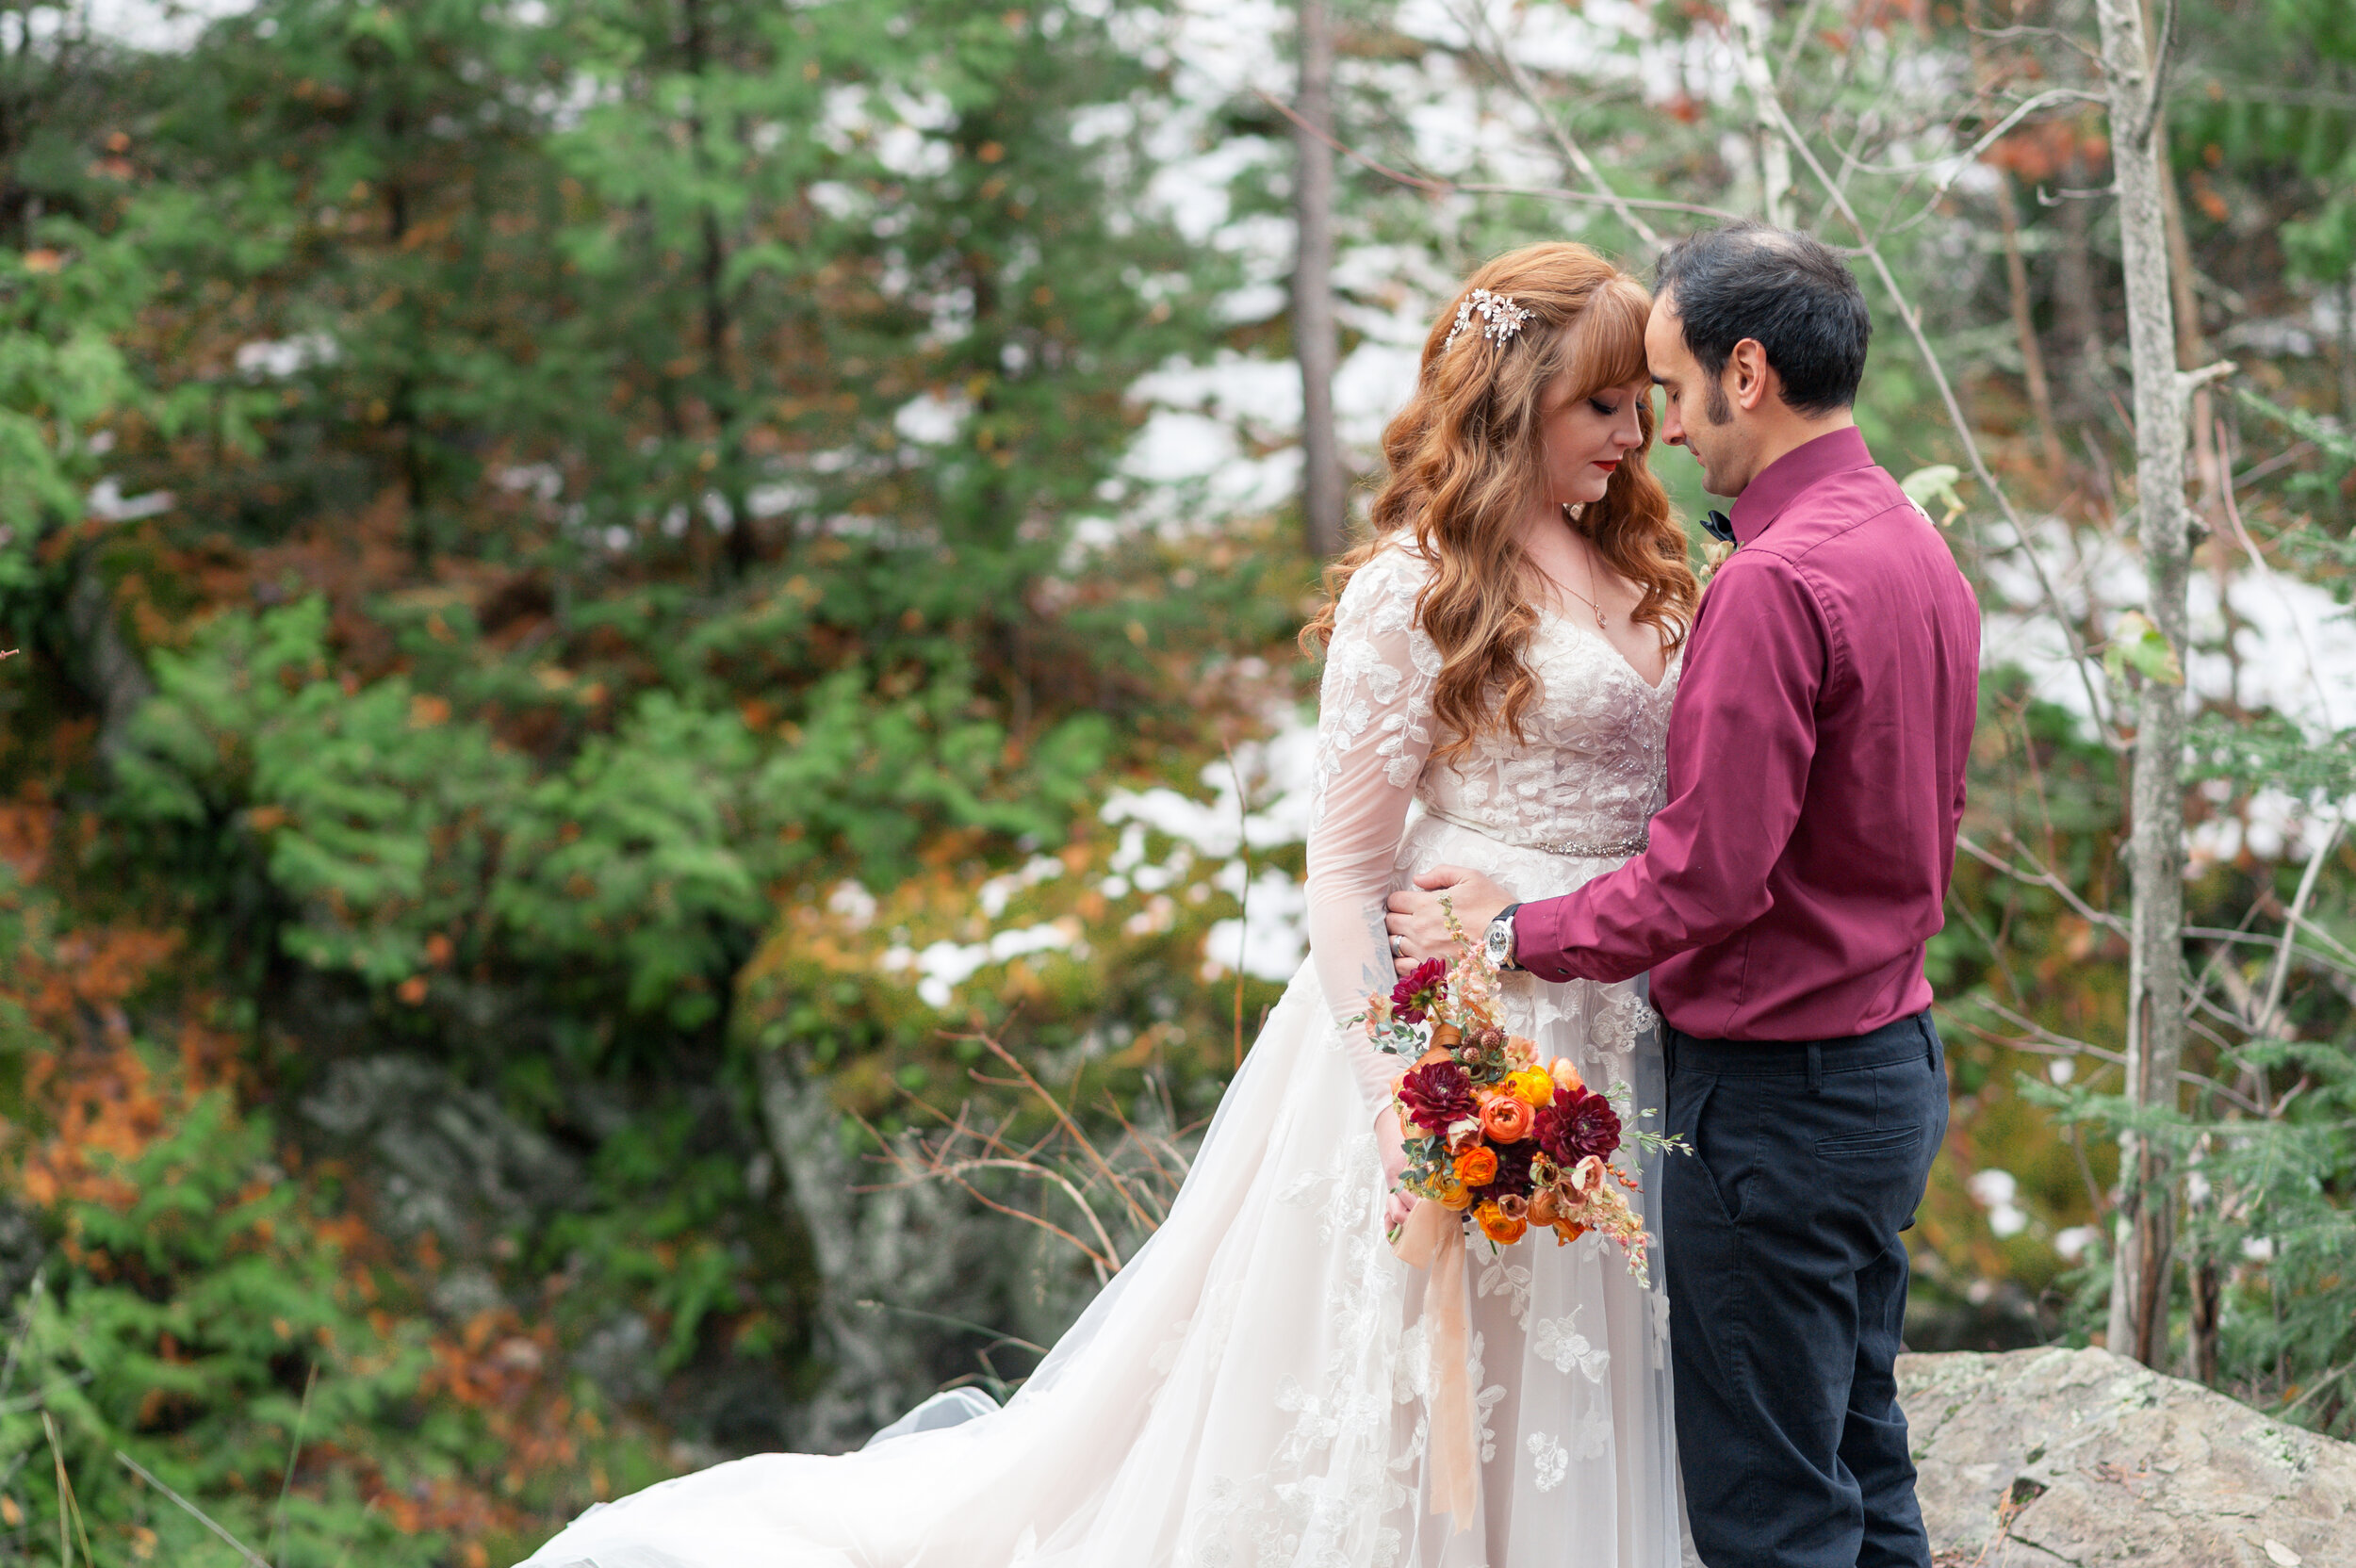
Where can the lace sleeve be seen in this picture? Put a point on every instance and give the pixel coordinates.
(1374, 734)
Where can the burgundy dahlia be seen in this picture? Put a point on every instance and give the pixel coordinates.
(1438, 1095)
(1421, 992)
(1512, 1177)
(1579, 1123)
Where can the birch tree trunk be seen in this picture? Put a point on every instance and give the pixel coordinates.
(1314, 338)
(1774, 159)
(2156, 1011)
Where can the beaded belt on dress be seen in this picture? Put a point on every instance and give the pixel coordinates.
(1622, 847)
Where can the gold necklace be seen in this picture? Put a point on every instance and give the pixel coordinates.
(1571, 517)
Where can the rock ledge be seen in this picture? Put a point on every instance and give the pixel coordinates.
(2037, 1459)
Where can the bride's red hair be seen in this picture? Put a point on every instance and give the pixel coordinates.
(1463, 461)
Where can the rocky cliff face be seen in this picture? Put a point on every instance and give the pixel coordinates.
(2040, 1458)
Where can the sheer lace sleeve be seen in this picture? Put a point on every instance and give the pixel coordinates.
(1374, 734)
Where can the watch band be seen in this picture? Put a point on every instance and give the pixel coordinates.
(1505, 917)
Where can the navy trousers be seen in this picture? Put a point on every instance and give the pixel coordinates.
(1786, 1284)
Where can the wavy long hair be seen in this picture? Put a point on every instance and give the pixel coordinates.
(1464, 458)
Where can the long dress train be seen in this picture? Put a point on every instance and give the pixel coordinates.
(1248, 1392)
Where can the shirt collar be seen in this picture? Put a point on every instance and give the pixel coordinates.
(1781, 482)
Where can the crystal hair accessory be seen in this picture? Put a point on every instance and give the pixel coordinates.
(1501, 315)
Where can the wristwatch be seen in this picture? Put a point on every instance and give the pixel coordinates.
(1497, 944)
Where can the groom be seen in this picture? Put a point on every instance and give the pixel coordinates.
(1815, 779)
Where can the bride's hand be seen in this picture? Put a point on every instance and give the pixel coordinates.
(1417, 920)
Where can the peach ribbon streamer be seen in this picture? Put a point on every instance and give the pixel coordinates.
(1433, 1239)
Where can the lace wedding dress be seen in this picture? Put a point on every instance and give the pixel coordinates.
(1249, 1391)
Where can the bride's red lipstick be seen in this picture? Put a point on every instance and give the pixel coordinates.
(1606, 463)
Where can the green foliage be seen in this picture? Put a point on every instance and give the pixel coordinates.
(198, 1328)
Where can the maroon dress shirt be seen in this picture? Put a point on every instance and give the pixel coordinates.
(1816, 773)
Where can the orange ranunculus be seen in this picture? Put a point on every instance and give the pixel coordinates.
(1455, 1195)
(1543, 1206)
(1567, 1076)
(1508, 1118)
(1532, 1085)
(1566, 1231)
(1496, 1227)
(1476, 1166)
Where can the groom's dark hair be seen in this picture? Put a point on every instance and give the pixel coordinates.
(1785, 288)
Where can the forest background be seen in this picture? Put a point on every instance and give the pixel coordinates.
(655, 766)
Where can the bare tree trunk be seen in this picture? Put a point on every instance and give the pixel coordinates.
(2077, 320)
(1775, 157)
(2025, 326)
(1314, 338)
(2156, 1008)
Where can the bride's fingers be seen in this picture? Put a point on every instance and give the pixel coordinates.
(1442, 876)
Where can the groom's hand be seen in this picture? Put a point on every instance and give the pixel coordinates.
(1419, 923)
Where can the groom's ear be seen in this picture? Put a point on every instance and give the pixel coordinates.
(1750, 380)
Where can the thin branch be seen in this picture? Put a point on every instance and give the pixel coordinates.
(2042, 877)
(2338, 959)
(1475, 21)
(1971, 154)
(2257, 471)
(1773, 103)
(1088, 1147)
(1482, 188)
(2164, 60)
(250, 1556)
(294, 1457)
(2044, 1042)
(2269, 1015)
(996, 1336)
(2319, 1385)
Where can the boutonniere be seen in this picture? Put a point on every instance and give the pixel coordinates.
(1721, 530)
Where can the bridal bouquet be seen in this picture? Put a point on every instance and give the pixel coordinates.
(1492, 1135)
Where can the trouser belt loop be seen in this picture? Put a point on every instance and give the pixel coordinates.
(1815, 1068)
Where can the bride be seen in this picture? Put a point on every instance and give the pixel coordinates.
(1250, 1390)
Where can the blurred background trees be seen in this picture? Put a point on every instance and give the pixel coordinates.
(604, 589)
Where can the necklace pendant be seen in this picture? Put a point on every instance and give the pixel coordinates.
(1599, 618)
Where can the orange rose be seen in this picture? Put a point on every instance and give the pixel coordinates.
(1497, 1227)
(1507, 1118)
(1476, 1166)
(1567, 1076)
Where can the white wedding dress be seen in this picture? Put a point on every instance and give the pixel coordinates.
(1249, 1391)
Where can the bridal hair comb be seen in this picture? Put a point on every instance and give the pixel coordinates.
(1503, 318)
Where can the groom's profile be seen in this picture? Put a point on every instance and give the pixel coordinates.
(1816, 757)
